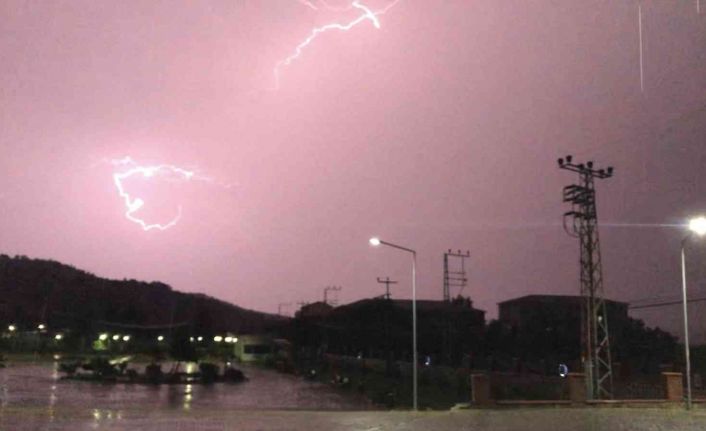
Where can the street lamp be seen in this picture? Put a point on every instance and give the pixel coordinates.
(696, 226)
(375, 242)
(12, 328)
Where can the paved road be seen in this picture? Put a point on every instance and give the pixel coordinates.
(32, 399)
(553, 419)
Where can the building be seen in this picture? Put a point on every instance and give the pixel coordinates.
(382, 329)
(543, 330)
(254, 348)
(526, 311)
(314, 310)
(536, 332)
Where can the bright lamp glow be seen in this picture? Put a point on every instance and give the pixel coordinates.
(41, 326)
(217, 338)
(160, 338)
(116, 337)
(228, 339)
(103, 337)
(698, 226)
(126, 338)
(58, 337)
(11, 328)
(375, 241)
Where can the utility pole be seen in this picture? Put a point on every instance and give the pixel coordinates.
(387, 283)
(595, 341)
(328, 289)
(454, 278)
(387, 307)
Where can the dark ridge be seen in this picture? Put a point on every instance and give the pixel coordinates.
(36, 290)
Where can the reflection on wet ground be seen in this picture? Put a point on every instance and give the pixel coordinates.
(32, 396)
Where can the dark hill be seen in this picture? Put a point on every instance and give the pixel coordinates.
(34, 291)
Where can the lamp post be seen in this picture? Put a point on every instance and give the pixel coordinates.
(696, 226)
(376, 242)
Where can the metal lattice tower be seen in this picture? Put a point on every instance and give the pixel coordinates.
(454, 278)
(595, 341)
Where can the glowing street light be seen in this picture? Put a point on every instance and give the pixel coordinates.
(116, 337)
(41, 327)
(375, 242)
(199, 339)
(12, 328)
(126, 338)
(697, 226)
(228, 339)
(217, 338)
(160, 338)
(103, 337)
(58, 337)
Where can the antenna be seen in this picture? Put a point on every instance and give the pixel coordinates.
(457, 277)
(328, 289)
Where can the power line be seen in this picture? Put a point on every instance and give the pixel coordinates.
(662, 304)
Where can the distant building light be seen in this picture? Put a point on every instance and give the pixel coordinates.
(191, 339)
(126, 338)
(217, 338)
(160, 338)
(103, 337)
(235, 339)
(116, 337)
(41, 327)
(228, 339)
(200, 338)
(58, 337)
(12, 328)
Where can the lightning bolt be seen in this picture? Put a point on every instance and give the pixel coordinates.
(134, 204)
(366, 14)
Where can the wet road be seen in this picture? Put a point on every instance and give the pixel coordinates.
(32, 396)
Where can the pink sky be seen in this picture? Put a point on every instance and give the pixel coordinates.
(439, 130)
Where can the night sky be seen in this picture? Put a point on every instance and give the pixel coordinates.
(439, 130)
